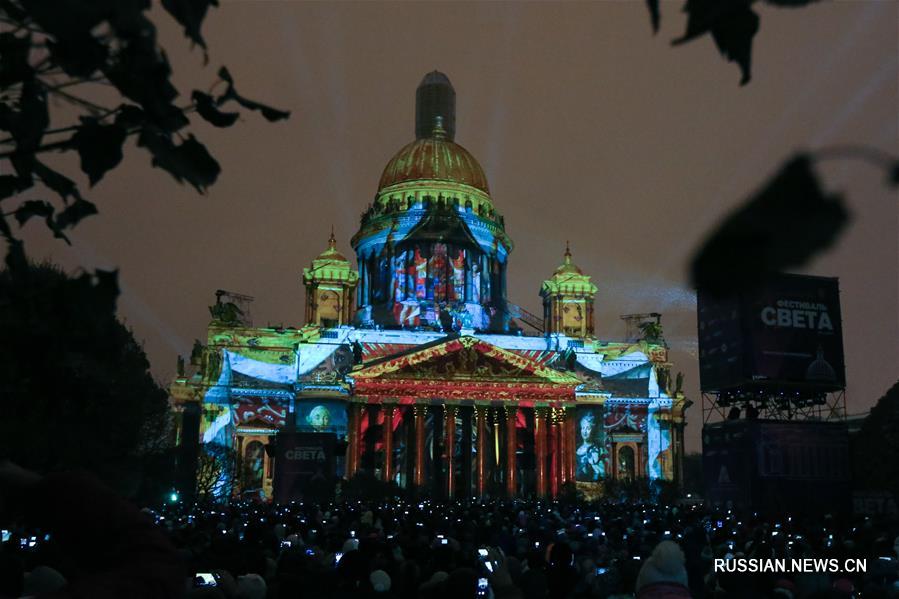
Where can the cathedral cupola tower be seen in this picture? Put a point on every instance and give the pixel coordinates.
(431, 247)
(330, 286)
(568, 300)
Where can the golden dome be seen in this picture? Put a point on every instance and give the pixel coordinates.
(434, 158)
(331, 254)
(330, 265)
(568, 267)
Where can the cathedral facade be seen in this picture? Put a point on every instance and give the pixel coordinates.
(420, 366)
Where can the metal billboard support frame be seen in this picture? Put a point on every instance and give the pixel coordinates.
(773, 405)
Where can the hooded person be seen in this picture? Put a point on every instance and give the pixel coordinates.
(380, 581)
(43, 579)
(663, 575)
(251, 586)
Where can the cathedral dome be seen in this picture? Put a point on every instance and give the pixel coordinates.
(330, 265)
(568, 267)
(568, 278)
(434, 158)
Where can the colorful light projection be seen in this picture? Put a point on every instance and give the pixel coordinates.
(658, 439)
(434, 259)
(260, 411)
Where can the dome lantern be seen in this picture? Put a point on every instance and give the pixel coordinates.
(435, 97)
(330, 288)
(568, 298)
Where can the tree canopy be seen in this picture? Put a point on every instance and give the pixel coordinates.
(66, 50)
(75, 385)
(876, 446)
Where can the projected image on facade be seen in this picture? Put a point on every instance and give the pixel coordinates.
(590, 455)
(412, 351)
(254, 456)
(327, 416)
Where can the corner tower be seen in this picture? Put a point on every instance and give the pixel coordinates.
(330, 288)
(568, 300)
(431, 248)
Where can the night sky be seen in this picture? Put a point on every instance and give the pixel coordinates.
(590, 129)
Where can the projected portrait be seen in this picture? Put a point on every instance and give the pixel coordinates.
(319, 419)
(254, 463)
(420, 266)
(458, 285)
(590, 455)
(321, 416)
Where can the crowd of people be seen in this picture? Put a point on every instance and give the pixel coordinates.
(99, 546)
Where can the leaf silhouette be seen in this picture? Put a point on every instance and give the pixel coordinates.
(74, 213)
(208, 110)
(732, 24)
(190, 161)
(655, 16)
(11, 185)
(79, 56)
(190, 14)
(58, 182)
(790, 3)
(31, 208)
(780, 227)
(14, 67)
(270, 114)
(99, 147)
(893, 179)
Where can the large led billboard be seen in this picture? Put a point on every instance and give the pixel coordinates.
(777, 466)
(785, 334)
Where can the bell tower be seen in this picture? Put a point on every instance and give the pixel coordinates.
(330, 288)
(568, 300)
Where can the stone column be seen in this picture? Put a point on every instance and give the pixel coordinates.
(511, 448)
(481, 415)
(387, 432)
(556, 454)
(465, 487)
(540, 450)
(352, 458)
(369, 461)
(420, 411)
(450, 428)
(569, 432)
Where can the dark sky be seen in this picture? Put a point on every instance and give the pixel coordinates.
(588, 127)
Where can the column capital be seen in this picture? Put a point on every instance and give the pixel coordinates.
(541, 412)
(511, 410)
(557, 415)
(420, 409)
(451, 410)
(481, 411)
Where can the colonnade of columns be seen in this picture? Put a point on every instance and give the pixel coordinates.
(553, 436)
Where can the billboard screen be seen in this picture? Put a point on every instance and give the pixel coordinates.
(303, 465)
(793, 332)
(777, 466)
(720, 342)
(786, 334)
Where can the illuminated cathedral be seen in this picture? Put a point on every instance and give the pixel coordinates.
(427, 375)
